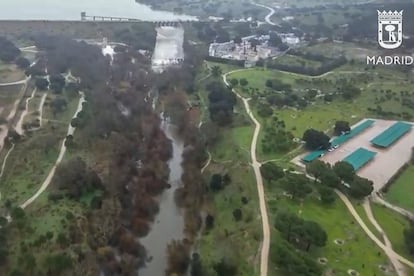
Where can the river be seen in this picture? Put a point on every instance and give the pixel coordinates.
(169, 222)
(71, 10)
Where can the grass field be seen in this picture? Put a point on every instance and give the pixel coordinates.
(297, 61)
(358, 252)
(393, 224)
(401, 191)
(319, 114)
(10, 73)
(8, 95)
(361, 212)
(237, 241)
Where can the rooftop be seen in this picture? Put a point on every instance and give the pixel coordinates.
(391, 135)
(359, 158)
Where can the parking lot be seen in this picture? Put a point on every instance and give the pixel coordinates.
(386, 162)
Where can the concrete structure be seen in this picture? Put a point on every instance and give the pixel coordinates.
(168, 48)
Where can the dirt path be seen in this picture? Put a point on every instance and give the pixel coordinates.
(400, 269)
(207, 163)
(40, 110)
(269, 16)
(401, 211)
(19, 125)
(15, 82)
(394, 257)
(46, 183)
(264, 259)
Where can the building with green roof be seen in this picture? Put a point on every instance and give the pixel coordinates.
(391, 135)
(359, 158)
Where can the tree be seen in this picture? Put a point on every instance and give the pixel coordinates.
(196, 265)
(41, 83)
(293, 262)
(317, 168)
(216, 182)
(409, 239)
(271, 171)
(243, 82)
(3, 222)
(237, 40)
(311, 94)
(216, 71)
(349, 91)
(285, 221)
(178, 259)
(344, 171)
(8, 51)
(18, 214)
(209, 222)
(237, 214)
(297, 185)
(275, 40)
(316, 139)
(22, 63)
(327, 195)
(341, 127)
(300, 232)
(57, 82)
(225, 268)
(360, 187)
(56, 264)
(314, 234)
(234, 82)
(330, 179)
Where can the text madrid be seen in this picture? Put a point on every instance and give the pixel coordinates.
(390, 60)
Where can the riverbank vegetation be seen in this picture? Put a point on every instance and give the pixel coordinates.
(75, 226)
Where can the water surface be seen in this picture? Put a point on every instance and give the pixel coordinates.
(71, 9)
(169, 222)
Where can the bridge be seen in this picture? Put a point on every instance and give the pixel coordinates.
(158, 23)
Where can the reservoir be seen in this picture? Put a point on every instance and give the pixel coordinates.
(71, 10)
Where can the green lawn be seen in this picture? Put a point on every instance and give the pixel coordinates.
(393, 224)
(361, 212)
(297, 61)
(238, 241)
(401, 191)
(10, 73)
(33, 157)
(358, 252)
(29, 164)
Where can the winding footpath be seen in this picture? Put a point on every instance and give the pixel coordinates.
(16, 82)
(19, 125)
(40, 109)
(48, 180)
(401, 211)
(269, 16)
(400, 269)
(264, 256)
(391, 254)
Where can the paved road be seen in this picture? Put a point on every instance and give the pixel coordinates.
(269, 16)
(264, 259)
(46, 183)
